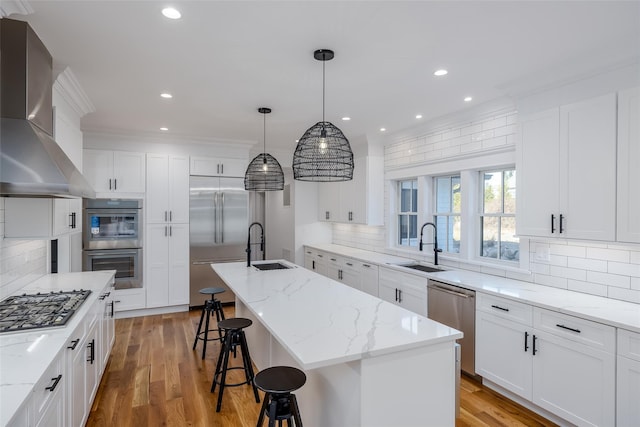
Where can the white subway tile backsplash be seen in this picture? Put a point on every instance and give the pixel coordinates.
(568, 250)
(635, 283)
(587, 288)
(556, 282)
(482, 135)
(558, 260)
(608, 254)
(494, 142)
(495, 123)
(587, 264)
(474, 146)
(450, 134)
(624, 269)
(609, 279)
(471, 129)
(540, 268)
(634, 257)
(569, 273)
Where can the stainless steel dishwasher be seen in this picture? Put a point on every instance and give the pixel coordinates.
(455, 307)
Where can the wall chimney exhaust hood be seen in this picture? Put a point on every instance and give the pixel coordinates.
(32, 164)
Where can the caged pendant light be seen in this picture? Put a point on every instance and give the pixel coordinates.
(264, 172)
(323, 153)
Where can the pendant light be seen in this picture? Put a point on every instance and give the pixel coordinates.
(323, 153)
(264, 172)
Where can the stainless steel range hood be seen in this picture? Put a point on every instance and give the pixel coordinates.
(32, 164)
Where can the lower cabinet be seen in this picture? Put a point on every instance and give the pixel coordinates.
(403, 289)
(49, 395)
(167, 265)
(561, 363)
(628, 379)
(316, 261)
(129, 299)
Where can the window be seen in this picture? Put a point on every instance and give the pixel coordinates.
(447, 212)
(498, 219)
(408, 213)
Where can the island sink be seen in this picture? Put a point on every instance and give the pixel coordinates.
(424, 268)
(271, 266)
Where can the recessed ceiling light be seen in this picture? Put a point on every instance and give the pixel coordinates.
(166, 95)
(171, 13)
(346, 119)
(418, 116)
(164, 129)
(297, 140)
(468, 99)
(441, 72)
(383, 129)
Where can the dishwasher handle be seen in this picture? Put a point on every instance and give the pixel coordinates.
(449, 291)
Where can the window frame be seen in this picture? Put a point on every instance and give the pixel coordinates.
(414, 212)
(449, 214)
(479, 246)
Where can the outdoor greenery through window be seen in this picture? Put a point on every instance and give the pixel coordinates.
(498, 220)
(408, 213)
(447, 212)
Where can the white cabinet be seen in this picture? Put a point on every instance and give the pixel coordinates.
(561, 363)
(369, 278)
(316, 261)
(76, 409)
(39, 218)
(115, 173)
(343, 270)
(218, 166)
(167, 196)
(403, 289)
(107, 327)
(49, 395)
(359, 201)
(129, 299)
(628, 228)
(567, 170)
(167, 264)
(628, 379)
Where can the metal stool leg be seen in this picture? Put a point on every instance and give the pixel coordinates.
(295, 410)
(248, 368)
(272, 412)
(223, 349)
(223, 378)
(263, 409)
(195, 341)
(206, 331)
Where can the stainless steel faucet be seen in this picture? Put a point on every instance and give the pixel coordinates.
(262, 246)
(435, 241)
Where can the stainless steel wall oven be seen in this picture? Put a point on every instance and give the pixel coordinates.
(112, 239)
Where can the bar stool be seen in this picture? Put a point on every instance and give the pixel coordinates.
(233, 337)
(279, 403)
(210, 306)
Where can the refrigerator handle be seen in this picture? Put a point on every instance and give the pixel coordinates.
(215, 217)
(222, 220)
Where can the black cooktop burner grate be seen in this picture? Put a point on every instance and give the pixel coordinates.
(24, 312)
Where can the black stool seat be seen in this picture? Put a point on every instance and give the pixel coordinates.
(279, 403)
(210, 307)
(233, 337)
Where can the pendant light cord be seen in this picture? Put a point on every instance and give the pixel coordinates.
(264, 135)
(323, 62)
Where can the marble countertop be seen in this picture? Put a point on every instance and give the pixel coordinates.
(25, 356)
(609, 311)
(322, 322)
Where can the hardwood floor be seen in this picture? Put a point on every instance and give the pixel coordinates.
(154, 378)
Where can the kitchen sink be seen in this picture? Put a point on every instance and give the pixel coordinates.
(421, 267)
(271, 266)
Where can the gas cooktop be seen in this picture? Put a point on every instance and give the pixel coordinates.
(35, 311)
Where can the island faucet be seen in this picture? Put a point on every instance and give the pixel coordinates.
(435, 241)
(248, 250)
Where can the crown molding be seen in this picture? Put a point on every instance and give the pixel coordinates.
(18, 7)
(71, 90)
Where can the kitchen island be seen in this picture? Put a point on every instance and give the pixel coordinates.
(368, 362)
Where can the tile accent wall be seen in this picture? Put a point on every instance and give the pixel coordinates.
(465, 139)
(606, 269)
(21, 261)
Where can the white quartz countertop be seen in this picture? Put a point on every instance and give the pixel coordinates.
(609, 311)
(322, 322)
(24, 356)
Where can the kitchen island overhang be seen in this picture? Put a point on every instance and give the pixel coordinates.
(368, 362)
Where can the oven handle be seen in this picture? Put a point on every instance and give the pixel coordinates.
(110, 212)
(113, 252)
(449, 291)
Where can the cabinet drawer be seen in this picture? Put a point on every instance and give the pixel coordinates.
(129, 299)
(629, 344)
(590, 333)
(50, 384)
(505, 308)
(397, 278)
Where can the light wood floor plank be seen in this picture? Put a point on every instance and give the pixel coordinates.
(154, 378)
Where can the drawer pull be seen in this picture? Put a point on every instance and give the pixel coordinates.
(350, 264)
(74, 344)
(568, 328)
(366, 265)
(500, 308)
(534, 345)
(55, 380)
(526, 341)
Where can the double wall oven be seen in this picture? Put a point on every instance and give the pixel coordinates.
(112, 239)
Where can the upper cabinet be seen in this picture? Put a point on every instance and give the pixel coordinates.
(218, 166)
(115, 173)
(567, 171)
(167, 189)
(40, 218)
(628, 170)
(359, 201)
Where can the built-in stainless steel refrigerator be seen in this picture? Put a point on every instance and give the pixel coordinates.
(218, 222)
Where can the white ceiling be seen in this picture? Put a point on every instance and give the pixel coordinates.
(224, 59)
